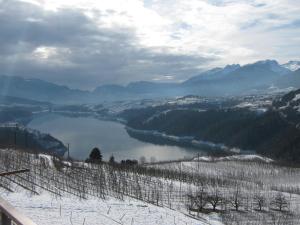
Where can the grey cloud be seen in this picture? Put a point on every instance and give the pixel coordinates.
(97, 55)
(29, 23)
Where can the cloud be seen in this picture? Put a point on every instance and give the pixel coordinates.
(85, 43)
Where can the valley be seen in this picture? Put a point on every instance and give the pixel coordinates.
(149, 112)
(189, 124)
(191, 159)
(59, 120)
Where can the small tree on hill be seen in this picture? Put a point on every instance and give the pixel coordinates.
(112, 160)
(215, 198)
(95, 156)
(280, 202)
(236, 199)
(259, 201)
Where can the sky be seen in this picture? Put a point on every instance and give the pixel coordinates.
(88, 43)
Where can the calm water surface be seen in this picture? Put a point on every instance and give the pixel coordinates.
(111, 137)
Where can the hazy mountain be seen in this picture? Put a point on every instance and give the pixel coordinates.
(261, 73)
(230, 80)
(110, 88)
(137, 90)
(273, 66)
(235, 79)
(289, 80)
(39, 90)
(111, 92)
(153, 89)
(230, 71)
(8, 100)
(216, 73)
(292, 65)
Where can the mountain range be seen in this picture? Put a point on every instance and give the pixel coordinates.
(258, 77)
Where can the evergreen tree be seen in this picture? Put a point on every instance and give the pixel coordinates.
(95, 156)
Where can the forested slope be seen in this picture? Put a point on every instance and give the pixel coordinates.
(270, 133)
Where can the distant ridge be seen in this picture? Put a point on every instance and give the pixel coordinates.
(259, 77)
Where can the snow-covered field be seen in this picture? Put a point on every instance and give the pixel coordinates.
(248, 176)
(46, 209)
(60, 192)
(71, 196)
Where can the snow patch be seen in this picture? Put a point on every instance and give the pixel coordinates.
(292, 65)
(46, 209)
(252, 157)
(296, 98)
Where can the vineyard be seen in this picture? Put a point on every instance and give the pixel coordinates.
(247, 192)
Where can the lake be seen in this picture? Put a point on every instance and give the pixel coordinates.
(83, 134)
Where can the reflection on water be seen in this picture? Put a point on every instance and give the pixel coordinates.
(111, 137)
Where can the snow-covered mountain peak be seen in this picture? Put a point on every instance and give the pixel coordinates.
(292, 65)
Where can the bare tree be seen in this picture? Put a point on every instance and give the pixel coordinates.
(259, 201)
(236, 199)
(215, 199)
(200, 199)
(280, 202)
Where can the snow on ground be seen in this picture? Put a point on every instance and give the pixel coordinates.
(47, 160)
(185, 100)
(296, 98)
(46, 209)
(252, 157)
(292, 65)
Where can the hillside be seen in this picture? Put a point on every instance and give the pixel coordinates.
(68, 210)
(18, 136)
(271, 131)
(81, 193)
(289, 107)
(291, 79)
(75, 192)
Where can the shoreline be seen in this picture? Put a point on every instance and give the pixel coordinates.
(155, 137)
(186, 141)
